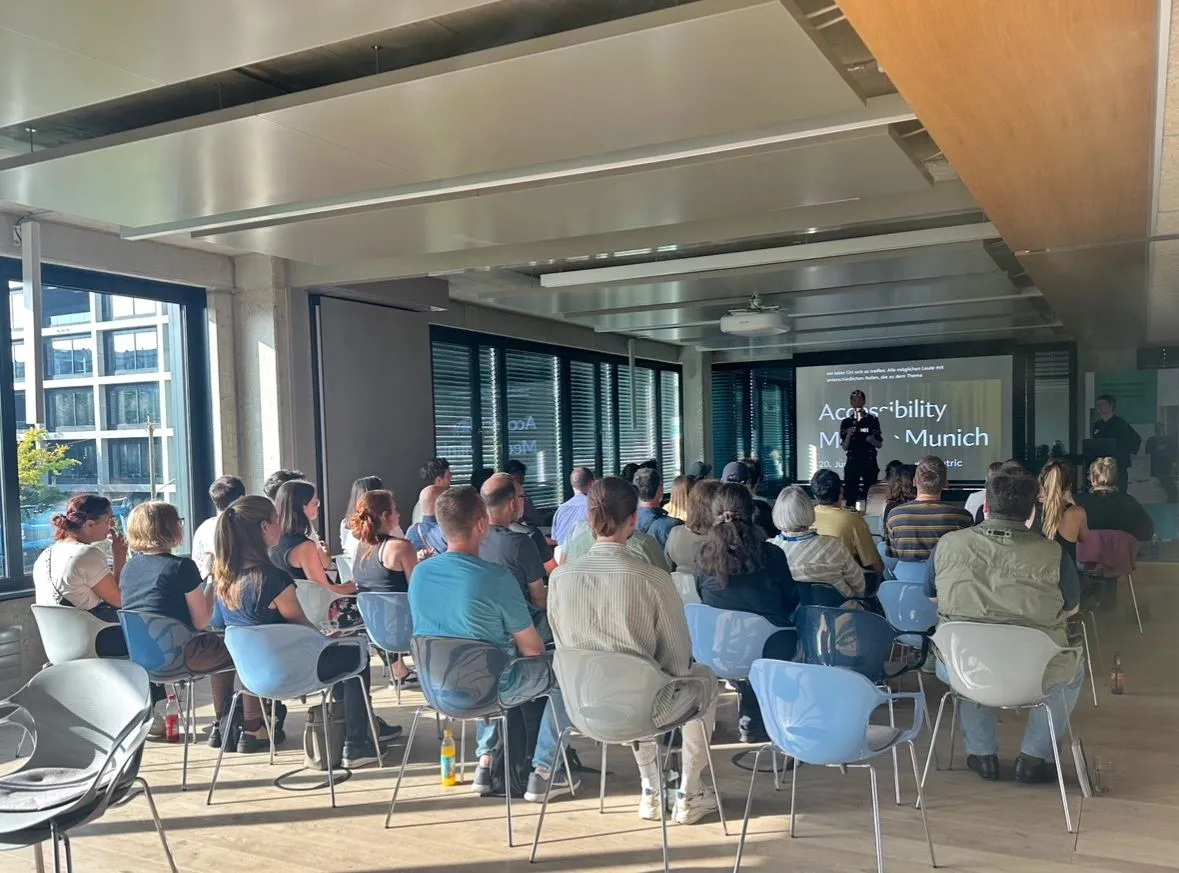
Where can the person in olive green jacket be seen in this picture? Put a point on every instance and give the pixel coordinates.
(1002, 572)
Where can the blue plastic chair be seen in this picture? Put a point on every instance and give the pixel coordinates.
(908, 609)
(910, 571)
(281, 662)
(388, 623)
(156, 643)
(818, 594)
(460, 679)
(889, 561)
(821, 715)
(727, 641)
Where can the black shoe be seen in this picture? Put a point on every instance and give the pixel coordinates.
(280, 717)
(1034, 771)
(387, 732)
(230, 733)
(215, 737)
(358, 755)
(986, 766)
(249, 742)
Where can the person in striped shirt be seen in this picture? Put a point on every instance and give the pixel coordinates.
(913, 529)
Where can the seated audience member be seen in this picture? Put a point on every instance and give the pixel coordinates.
(653, 519)
(763, 507)
(611, 601)
(813, 557)
(643, 546)
(435, 472)
(458, 594)
(573, 510)
(1001, 572)
(297, 551)
(912, 529)
(878, 493)
(384, 560)
(699, 470)
(512, 550)
(222, 492)
(1057, 516)
(974, 503)
(360, 487)
(425, 534)
(480, 476)
(833, 520)
(251, 591)
(677, 505)
(901, 489)
(156, 581)
(278, 478)
(73, 571)
(1106, 508)
(628, 472)
(738, 570)
(683, 543)
(519, 472)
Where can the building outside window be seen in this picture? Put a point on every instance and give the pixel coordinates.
(69, 356)
(69, 409)
(131, 351)
(115, 307)
(132, 406)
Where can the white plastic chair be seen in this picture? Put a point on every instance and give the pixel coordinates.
(88, 719)
(685, 584)
(316, 600)
(609, 698)
(1000, 666)
(68, 633)
(343, 568)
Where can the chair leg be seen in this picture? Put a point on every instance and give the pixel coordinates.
(404, 761)
(463, 751)
(896, 769)
(372, 721)
(1089, 660)
(662, 807)
(1096, 638)
(602, 784)
(38, 858)
(1068, 819)
(327, 748)
(271, 723)
(155, 817)
(189, 727)
(224, 742)
(937, 723)
(793, 785)
(1134, 600)
(774, 767)
(508, 776)
(953, 732)
(720, 807)
(921, 803)
(876, 819)
(748, 808)
(561, 740)
(928, 723)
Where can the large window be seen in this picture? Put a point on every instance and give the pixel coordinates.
(132, 351)
(115, 307)
(132, 406)
(550, 408)
(68, 357)
(135, 461)
(751, 409)
(69, 409)
(64, 306)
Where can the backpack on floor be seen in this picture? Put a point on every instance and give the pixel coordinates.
(313, 751)
(523, 729)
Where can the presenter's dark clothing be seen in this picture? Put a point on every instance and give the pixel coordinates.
(1125, 438)
(861, 470)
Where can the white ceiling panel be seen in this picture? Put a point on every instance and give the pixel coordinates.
(196, 172)
(741, 69)
(57, 55)
(791, 178)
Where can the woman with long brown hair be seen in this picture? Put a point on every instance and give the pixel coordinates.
(901, 489)
(684, 540)
(297, 551)
(681, 490)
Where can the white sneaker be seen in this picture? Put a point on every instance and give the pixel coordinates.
(158, 729)
(689, 810)
(649, 806)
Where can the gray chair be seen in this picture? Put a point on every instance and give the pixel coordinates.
(316, 600)
(343, 568)
(389, 625)
(609, 697)
(88, 720)
(68, 633)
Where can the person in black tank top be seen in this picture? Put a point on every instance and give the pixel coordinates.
(296, 552)
(370, 572)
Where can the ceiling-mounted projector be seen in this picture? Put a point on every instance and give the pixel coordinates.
(755, 320)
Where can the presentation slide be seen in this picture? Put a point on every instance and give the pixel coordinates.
(956, 408)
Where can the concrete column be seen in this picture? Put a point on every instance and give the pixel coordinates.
(697, 412)
(223, 380)
(30, 328)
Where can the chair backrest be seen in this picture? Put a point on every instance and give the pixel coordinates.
(889, 561)
(278, 661)
(80, 707)
(1114, 552)
(727, 641)
(909, 571)
(907, 609)
(343, 568)
(609, 697)
(875, 522)
(849, 638)
(685, 584)
(67, 633)
(316, 600)
(460, 678)
(818, 594)
(387, 619)
(1000, 665)
(156, 643)
(815, 713)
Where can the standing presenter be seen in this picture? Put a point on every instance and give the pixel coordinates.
(859, 436)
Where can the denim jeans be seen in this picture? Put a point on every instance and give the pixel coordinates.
(978, 722)
(530, 678)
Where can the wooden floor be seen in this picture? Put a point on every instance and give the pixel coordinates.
(978, 827)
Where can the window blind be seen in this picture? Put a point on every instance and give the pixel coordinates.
(671, 439)
(533, 413)
(636, 435)
(452, 407)
(730, 416)
(491, 415)
(585, 413)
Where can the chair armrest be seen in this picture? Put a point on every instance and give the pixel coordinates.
(16, 715)
(129, 731)
(918, 708)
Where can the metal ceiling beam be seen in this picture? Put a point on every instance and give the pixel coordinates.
(896, 336)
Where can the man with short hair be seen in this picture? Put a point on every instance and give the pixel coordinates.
(513, 550)
(222, 492)
(573, 510)
(427, 534)
(279, 478)
(653, 519)
(435, 471)
(1001, 572)
(460, 595)
(1111, 426)
(833, 520)
(974, 503)
(860, 437)
(519, 472)
(912, 529)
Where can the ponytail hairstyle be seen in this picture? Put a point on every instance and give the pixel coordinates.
(733, 545)
(290, 502)
(1103, 474)
(612, 503)
(365, 522)
(80, 509)
(239, 547)
(1056, 486)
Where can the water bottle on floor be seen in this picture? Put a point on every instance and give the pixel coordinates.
(449, 774)
(1117, 677)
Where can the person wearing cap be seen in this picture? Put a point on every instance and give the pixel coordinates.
(860, 437)
(699, 470)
